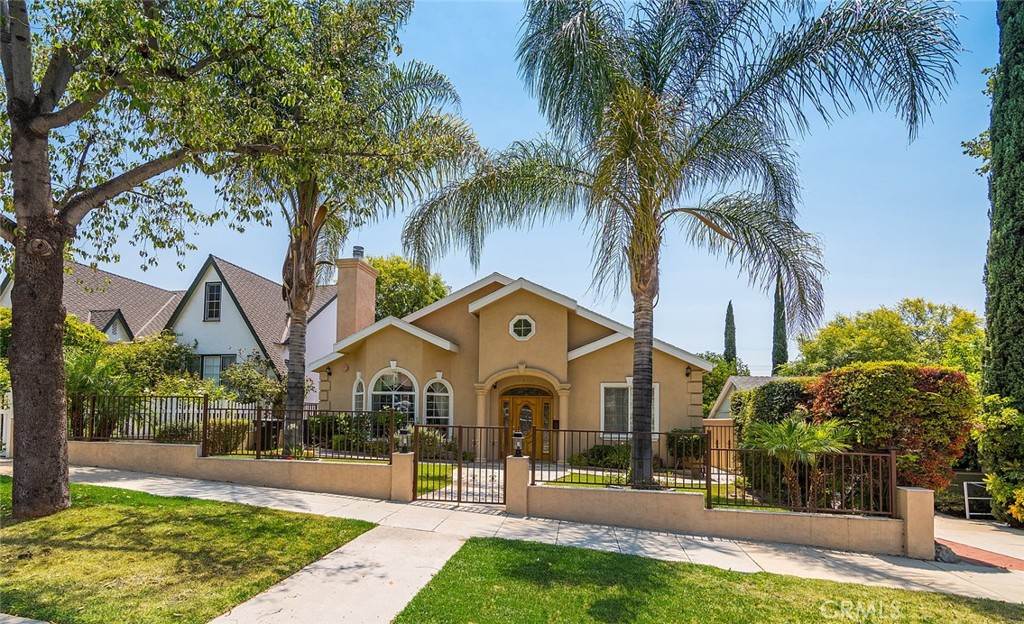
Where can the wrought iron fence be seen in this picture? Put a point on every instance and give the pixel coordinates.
(594, 458)
(241, 430)
(265, 433)
(460, 464)
(840, 483)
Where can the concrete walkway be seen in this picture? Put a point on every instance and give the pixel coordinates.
(980, 534)
(359, 569)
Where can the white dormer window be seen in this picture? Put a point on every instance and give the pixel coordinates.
(522, 327)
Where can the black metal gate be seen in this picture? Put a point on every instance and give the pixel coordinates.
(460, 464)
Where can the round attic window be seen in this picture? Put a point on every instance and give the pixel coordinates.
(522, 327)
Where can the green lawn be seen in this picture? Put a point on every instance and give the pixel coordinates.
(431, 477)
(123, 556)
(721, 495)
(493, 581)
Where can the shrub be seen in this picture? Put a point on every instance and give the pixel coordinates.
(771, 403)
(686, 445)
(225, 435)
(924, 412)
(148, 359)
(615, 456)
(1000, 437)
(177, 433)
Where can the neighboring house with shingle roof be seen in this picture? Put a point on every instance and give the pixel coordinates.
(227, 313)
(736, 383)
(120, 307)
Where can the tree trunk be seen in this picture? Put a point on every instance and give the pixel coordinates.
(645, 288)
(299, 277)
(37, 332)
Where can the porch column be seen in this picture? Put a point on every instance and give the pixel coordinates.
(481, 404)
(563, 416)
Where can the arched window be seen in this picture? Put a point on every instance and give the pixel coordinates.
(394, 389)
(437, 403)
(358, 396)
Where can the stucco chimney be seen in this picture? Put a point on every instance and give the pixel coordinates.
(357, 292)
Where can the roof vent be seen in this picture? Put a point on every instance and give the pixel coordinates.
(357, 252)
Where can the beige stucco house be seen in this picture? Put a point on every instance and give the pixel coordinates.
(499, 352)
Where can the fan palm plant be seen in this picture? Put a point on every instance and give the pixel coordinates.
(676, 114)
(384, 135)
(795, 441)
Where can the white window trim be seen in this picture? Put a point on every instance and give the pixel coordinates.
(520, 317)
(355, 392)
(655, 400)
(451, 399)
(386, 371)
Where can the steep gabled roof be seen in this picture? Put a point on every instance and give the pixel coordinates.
(621, 331)
(256, 297)
(97, 297)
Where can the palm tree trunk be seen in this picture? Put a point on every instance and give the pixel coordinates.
(299, 277)
(644, 286)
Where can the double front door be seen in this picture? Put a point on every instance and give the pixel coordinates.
(532, 416)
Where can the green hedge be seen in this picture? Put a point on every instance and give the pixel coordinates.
(771, 402)
(924, 412)
(615, 456)
(1000, 438)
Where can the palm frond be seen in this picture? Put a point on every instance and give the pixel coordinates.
(761, 241)
(528, 182)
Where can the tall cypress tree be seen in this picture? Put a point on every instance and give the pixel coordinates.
(730, 336)
(1004, 267)
(780, 349)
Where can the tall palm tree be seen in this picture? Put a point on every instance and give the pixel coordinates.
(416, 144)
(680, 114)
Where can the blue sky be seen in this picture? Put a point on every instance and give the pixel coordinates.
(898, 220)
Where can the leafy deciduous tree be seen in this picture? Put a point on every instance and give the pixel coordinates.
(403, 288)
(105, 104)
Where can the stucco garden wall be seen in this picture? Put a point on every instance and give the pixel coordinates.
(911, 534)
(182, 460)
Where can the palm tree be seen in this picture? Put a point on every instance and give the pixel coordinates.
(795, 441)
(385, 135)
(680, 114)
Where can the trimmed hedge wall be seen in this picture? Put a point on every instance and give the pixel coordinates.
(924, 412)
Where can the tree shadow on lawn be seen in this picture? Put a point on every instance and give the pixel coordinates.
(624, 583)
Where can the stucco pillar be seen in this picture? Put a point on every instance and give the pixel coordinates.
(517, 482)
(403, 477)
(916, 507)
(563, 416)
(481, 404)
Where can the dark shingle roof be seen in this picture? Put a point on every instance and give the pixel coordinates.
(95, 296)
(261, 303)
(323, 296)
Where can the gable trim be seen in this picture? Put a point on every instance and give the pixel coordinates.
(124, 323)
(384, 323)
(211, 262)
(458, 294)
(597, 345)
(528, 286)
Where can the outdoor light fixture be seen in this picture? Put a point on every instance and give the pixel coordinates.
(517, 443)
(688, 371)
(328, 371)
(403, 439)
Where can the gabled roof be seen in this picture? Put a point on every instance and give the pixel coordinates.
(622, 332)
(256, 297)
(391, 321)
(104, 319)
(95, 296)
(740, 383)
(493, 278)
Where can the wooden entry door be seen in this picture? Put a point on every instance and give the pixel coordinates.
(531, 414)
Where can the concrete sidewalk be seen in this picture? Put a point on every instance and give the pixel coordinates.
(449, 525)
